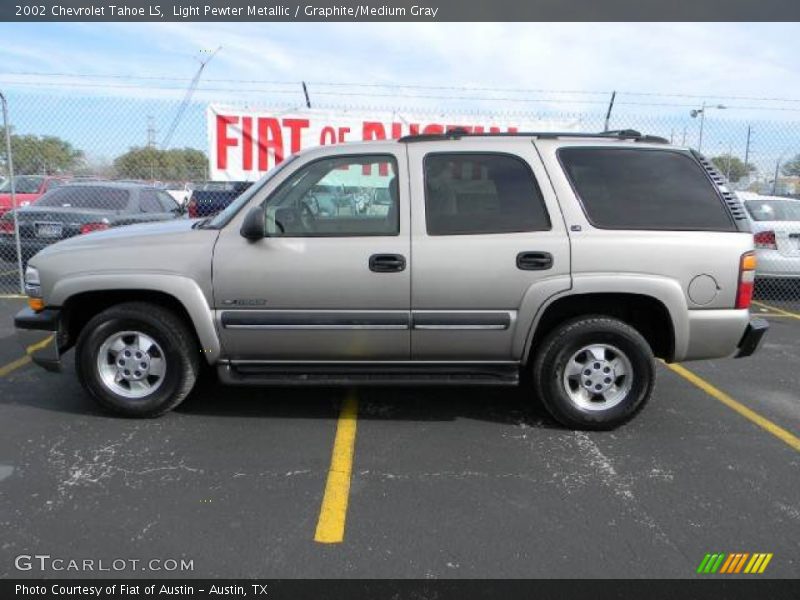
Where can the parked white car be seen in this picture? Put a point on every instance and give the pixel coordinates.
(775, 222)
(181, 192)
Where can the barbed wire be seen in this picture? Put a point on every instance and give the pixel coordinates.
(398, 86)
(395, 96)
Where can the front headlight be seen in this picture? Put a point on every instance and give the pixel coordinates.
(33, 288)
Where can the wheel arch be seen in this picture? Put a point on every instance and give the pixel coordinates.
(649, 315)
(81, 300)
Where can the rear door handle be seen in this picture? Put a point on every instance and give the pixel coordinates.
(387, 263)
(534, 261)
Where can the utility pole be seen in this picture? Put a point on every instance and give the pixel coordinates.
(730, 158)
(10, 165)
(610, 107)
(775, 180)
(747, 150)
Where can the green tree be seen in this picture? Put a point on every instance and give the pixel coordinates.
(732, 167)
(35, 154)
(792, 167)
(178, 164)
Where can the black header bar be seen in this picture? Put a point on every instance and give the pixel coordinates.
(399, 10)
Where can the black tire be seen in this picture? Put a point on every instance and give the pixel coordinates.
(168, 330)
(558, 348)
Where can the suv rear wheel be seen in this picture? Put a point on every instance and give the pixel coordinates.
(137, 359)
(594, 372)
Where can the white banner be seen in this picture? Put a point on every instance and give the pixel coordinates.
(245, 143)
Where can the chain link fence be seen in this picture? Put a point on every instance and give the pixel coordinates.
(87, 163)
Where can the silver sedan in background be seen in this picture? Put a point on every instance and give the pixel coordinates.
(775, 223)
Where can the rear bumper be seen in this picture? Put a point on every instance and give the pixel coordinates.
(751, 340)
(719, 334)
(38, 333)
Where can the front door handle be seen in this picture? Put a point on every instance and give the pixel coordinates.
(387, 263)
(534, 261)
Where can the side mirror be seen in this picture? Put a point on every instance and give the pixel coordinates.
(254, 224)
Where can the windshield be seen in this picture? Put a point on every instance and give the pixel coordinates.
(226, 215)
(23, 184)
(97, 198)
(774, 210)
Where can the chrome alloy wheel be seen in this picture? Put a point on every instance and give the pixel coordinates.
(598, 377)
(131, 364)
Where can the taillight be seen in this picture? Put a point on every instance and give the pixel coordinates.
(90, 227)
(192, 209)
(747, 278)
(765, 240)
(6, 227)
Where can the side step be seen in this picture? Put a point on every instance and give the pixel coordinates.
(333, 374)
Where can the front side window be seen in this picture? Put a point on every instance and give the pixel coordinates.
(148, 202)
(341, 196)
(168, 203)
(629, 188)
(481, 193)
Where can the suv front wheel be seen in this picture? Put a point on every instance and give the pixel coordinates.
(594, 372)
(137, 359)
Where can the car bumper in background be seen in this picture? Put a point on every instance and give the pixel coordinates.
(751, 340)
(774, 265)
(38, 334)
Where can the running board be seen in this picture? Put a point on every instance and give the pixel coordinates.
(367, 374)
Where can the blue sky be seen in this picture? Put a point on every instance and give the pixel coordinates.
(129, 71)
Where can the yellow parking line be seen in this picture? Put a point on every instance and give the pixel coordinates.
(12, 272)
(749, 414)
(24, 360)
(6, 296)
(780, 311)
(14, 365)
(332, 515)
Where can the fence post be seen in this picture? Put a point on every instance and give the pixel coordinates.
(14, 206)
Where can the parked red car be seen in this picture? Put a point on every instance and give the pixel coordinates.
(27, 189)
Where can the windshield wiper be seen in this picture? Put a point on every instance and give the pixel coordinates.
(201, 224)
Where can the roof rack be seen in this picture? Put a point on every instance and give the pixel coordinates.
(458, 133)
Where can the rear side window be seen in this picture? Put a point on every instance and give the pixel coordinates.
(481, 193)
(625, 188)
(97, 198)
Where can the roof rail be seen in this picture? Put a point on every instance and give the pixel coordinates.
(458, 133)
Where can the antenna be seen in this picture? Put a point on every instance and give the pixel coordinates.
(186, 98)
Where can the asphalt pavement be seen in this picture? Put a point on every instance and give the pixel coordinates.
(442, 482)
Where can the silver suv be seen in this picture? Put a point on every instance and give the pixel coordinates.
(566, 262)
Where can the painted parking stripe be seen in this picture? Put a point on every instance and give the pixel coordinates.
(14, 365)
(333, 513)
(24, 360)
(748, 413)
(780, 311)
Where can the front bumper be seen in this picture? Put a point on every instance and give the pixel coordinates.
(752, 337)
(38, 332)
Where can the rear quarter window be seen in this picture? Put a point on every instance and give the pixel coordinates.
(638, 188)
